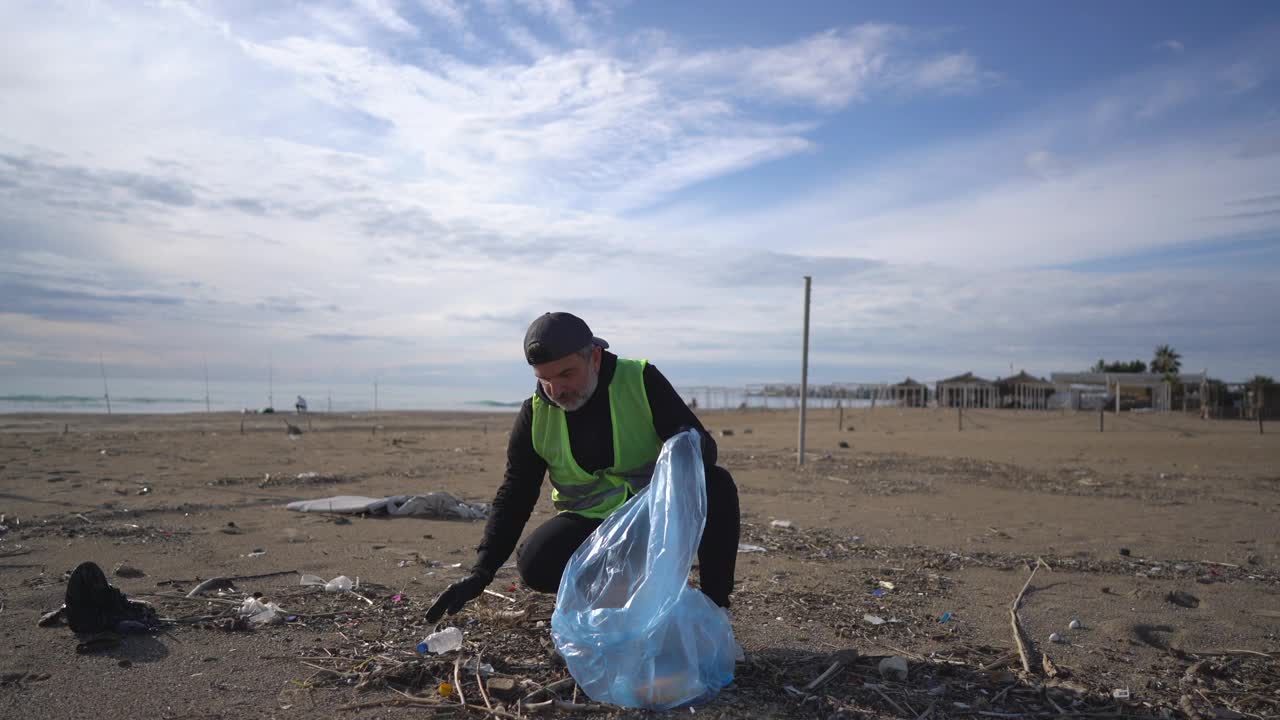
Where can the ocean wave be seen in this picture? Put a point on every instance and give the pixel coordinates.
(93, 399)
(52, 399)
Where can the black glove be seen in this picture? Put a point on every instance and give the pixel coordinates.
(708, 446)
(459, 594)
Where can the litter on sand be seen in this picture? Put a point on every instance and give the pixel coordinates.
(438, 505)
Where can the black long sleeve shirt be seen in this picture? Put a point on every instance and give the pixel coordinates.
(590, 440)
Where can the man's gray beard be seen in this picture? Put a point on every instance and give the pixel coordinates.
(592, 381)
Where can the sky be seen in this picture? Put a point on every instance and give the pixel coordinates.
(393, 189)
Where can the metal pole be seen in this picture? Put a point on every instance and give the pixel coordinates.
(106, 391)
(804, 368)
(1102, 413)
(840, 422)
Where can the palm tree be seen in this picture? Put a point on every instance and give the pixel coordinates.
(1167, 361)
(1261, 380)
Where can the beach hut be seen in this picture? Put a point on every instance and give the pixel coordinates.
(967, 390)
(910, 393)
(1024, 391)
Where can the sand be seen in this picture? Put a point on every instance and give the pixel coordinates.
(951, 519)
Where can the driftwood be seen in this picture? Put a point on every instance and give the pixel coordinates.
(223, 583)
(1019, 639)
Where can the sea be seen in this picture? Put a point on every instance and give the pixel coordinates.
(135, 395)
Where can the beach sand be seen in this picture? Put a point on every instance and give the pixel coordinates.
(952, 520)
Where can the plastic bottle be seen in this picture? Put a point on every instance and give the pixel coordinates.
(444, 641)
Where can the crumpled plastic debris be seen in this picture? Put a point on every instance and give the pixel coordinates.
(342, 583)
(258, 612)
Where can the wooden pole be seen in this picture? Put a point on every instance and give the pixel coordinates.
(804, 368)
(1102, 414)
(959, 419)
(840, 422)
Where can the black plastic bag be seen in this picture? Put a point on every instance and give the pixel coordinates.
(94, 605)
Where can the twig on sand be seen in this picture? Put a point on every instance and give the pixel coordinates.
(842, 658)
(1228, 651)
(484, 694)
(551, 690)
(558, 704)
(222, 582)
(188, 598)
(457, 680)
(1024, 650)
(901, 712)
(1000, 661)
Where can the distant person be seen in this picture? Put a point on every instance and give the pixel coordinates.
(596, 424)
(300, 405)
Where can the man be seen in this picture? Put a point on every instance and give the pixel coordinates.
(595, 423)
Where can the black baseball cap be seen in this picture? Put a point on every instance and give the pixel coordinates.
(555, 335)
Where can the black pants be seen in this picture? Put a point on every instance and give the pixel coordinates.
(544, 553)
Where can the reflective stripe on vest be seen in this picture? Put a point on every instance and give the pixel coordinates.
(635, 448)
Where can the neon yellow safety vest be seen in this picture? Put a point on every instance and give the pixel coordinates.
(635, 448)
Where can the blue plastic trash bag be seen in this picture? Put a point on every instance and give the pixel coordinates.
(631, 629)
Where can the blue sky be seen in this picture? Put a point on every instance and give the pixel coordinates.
(394, 189)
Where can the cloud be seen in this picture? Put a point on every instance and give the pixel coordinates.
(564, 16)
(1242, 77)
(385, 13)
(30, 297)
(342, 337)
(1258, 200)
(1173, 46)
(829, 70)
(447, 10)
(58, 184)
(956, 73)
(782, 269)
(522, 38)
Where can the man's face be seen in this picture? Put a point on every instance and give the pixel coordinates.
(570, 381)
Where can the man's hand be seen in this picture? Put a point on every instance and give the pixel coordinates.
(459, 594)
(707, 445)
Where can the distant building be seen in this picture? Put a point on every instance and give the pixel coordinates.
(967, 390)
(1126, 391)
(1024, 391)
(910, 393)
